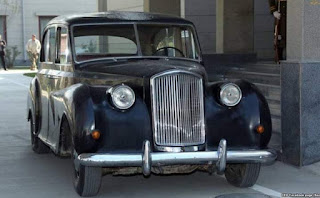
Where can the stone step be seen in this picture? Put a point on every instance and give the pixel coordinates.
(276, 124)
(254, 77)
(272, 92)
(275, 111)
(255, 68)
(276, 142)
(261, 64)
(276, 104)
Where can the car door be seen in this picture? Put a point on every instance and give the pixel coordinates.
(48, 55)
(61, 74)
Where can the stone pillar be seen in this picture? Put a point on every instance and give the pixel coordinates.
(171, 7)
(300, 84)
(235, 26)
(102, 5)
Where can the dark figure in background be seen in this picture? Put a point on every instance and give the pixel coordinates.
(279, 10)
(3, 52)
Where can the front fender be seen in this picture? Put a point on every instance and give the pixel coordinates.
(122, 130)
(237, 124)
(90, 108)
(75, 105)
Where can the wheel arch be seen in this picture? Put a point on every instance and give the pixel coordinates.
(65, 150)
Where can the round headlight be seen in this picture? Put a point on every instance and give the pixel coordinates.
(123, 97)
(230, 94)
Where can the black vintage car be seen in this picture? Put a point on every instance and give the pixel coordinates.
(126, 93)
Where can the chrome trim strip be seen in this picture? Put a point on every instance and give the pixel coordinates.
(180, 148)
(147, 159)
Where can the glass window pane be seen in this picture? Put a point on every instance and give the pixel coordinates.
(94, 42)
(168, 40)
(2, 28)
(64, 47)
(45, 47)
(50, 45)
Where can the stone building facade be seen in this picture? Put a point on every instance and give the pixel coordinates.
(21, 18)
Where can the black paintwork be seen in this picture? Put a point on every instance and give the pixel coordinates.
(117, 17)
(77, 93)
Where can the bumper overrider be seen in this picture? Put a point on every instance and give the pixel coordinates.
(147, 158)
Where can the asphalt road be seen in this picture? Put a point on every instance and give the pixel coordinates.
(26, 174)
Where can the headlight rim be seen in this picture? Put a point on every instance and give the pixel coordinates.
(114, 88)
(223, 87)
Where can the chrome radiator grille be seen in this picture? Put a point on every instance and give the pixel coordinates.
(178, 109)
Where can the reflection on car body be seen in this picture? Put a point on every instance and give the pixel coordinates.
(127, 93)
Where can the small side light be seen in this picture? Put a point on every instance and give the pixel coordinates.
(95, 134)
(260, 129)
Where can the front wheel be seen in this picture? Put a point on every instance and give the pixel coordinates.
(87, 180)
(37, 145)
(242, 175)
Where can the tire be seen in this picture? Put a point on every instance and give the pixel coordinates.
(37, 145)
(87, 180)
(242, 175)
(65, 139)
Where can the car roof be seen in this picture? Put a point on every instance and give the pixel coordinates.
(117, 16)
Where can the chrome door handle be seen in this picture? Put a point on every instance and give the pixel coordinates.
(53, 77)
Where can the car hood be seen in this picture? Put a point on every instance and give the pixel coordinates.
(142, 68)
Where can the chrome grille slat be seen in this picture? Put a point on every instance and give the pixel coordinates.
(178, 109)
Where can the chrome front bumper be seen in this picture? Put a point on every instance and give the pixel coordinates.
(147, 159)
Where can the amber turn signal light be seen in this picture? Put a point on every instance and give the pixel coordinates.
(95, 135)
(260, 129)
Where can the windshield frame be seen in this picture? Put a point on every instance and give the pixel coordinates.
(139, 52)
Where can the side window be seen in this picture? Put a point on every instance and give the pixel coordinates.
(64, 55)
(49, 46)
(52, 45)
(45, 47)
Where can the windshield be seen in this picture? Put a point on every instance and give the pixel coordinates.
(112, 41)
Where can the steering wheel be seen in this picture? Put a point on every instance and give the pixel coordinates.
(165, 49)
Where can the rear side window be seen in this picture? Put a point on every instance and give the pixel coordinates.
(63, 56)
(49, 45)
(45, 47)
(52, 45)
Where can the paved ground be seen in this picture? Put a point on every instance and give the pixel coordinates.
(26, 174)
